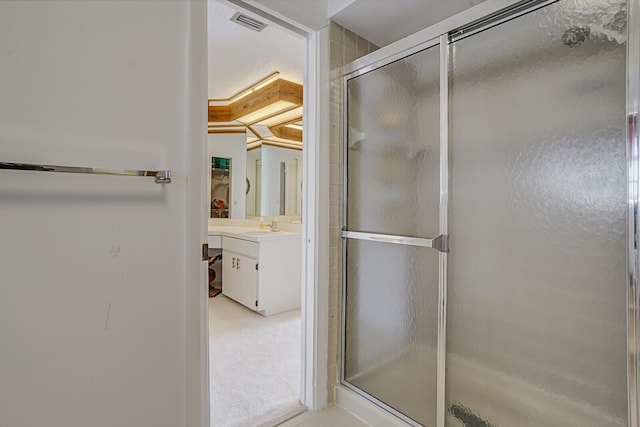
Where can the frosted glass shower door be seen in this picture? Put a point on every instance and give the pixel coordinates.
(391, 277)
(536, 328)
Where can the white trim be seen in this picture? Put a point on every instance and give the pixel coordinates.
(365, 410)
(315, 211)
(196, 293)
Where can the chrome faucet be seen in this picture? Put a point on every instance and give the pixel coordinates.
(273, 225)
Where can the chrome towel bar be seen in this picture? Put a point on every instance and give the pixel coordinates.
(161, 176)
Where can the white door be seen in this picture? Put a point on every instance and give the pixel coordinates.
(94, 318)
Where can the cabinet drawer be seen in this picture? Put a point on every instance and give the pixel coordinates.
(214, 242)
(240, 246)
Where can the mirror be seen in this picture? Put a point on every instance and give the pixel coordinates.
(275, 182)
(249, 183)
(259, 130)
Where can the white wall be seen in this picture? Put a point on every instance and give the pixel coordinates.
(233, 146)
(92, 303)
(271, 159)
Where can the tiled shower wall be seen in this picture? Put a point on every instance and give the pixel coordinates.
(346, 46)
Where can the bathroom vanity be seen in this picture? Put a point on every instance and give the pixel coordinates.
(260, 268)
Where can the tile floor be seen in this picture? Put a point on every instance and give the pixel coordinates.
(332, 416)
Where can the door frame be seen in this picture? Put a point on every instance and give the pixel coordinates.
(492, 11)
(196, 292)
(315, 212)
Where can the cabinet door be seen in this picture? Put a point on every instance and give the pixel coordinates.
(239, 278)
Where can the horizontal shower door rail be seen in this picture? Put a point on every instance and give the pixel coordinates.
(161, 176)
(440, 243)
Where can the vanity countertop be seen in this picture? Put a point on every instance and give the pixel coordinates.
(252, 234)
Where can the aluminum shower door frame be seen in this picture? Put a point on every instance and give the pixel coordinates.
(485, 15)
(633, 222)
(348, 234)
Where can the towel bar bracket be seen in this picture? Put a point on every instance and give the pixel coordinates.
(163, 177)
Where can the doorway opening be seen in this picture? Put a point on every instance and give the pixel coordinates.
(255, 120)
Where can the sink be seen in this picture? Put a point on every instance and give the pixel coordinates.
(257, 232)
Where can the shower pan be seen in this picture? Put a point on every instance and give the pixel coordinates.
(489, 260)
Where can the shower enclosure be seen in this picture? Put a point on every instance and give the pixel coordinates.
(489, 255)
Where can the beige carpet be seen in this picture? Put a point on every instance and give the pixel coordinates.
(254, 363)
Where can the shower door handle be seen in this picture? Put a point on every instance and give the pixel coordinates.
(440, 243)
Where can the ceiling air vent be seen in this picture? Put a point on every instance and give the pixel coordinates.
(248, 22)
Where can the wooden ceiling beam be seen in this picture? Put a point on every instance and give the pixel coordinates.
(279, 90)
(220, 113)
(282, 145)
(227, 131)
(289, 122)
(281, 131)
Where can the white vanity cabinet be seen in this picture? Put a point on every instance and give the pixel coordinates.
(262, 273)
(240, 271)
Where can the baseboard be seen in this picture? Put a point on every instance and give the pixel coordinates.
(366, 411)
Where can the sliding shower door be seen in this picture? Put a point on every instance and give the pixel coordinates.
(517, 143)
(392, 215)
(536, 331)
